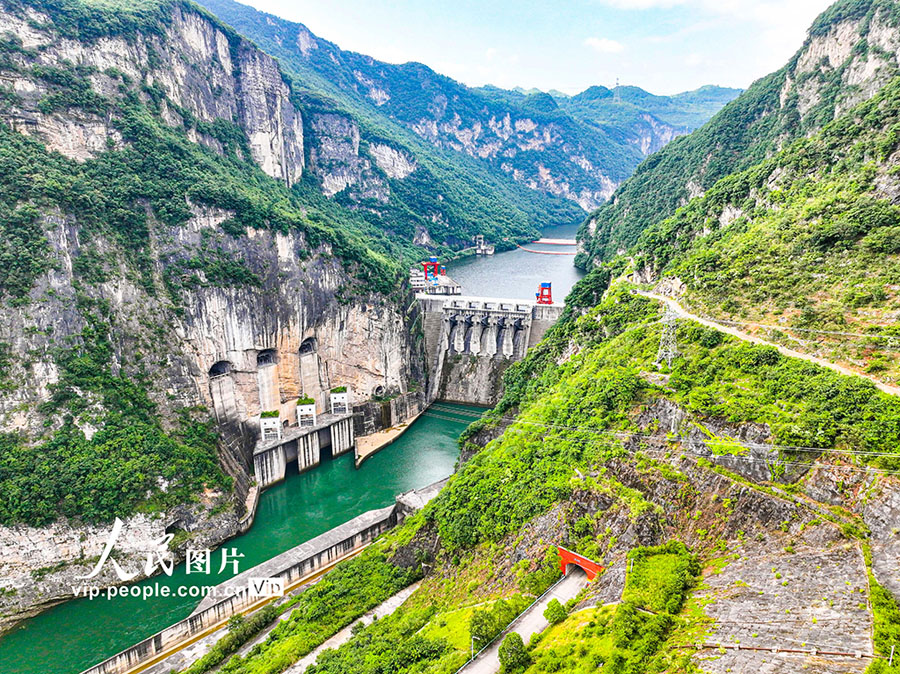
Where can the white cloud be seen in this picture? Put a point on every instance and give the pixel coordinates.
(604, 45)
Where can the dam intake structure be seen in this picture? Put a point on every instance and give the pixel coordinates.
(331, 434)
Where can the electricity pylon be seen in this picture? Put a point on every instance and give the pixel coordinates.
(668, 342)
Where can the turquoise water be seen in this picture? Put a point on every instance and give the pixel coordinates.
(79, 633)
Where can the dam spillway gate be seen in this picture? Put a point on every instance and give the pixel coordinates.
(470, 341)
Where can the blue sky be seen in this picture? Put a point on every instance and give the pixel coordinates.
(664, 46)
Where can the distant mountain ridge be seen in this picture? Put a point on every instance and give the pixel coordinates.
(562, 146)
(850, 52)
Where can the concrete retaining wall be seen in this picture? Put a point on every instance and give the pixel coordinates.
(371, 417)
(290, 566)
(303, 445)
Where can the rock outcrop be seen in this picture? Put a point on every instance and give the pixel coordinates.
(207, 72)
(293, 320)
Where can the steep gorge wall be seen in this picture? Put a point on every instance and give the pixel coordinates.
(207, 72)
(317, 342)
(299, 324)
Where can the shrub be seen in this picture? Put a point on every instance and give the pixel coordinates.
(555, 612)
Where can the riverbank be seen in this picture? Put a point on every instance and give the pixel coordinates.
(74, 635)
(367, 445)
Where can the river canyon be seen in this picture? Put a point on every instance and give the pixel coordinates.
(70, 637)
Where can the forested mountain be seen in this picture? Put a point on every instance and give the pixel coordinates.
(176, 204)
(744, 503)
(532, 139)
(633, 107)
(792, 221)
(849, 54)
(806, 240)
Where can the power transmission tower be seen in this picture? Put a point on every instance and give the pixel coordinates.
(668, 342)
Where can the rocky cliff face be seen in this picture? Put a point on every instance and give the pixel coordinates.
(206, 72)
(564, 168)
(291, 319)
(235, 351)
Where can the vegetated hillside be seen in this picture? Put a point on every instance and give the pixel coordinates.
(681, 482)
(808, 239)
(157, 214)
(851, 51)
(656, 120)
(527, 139)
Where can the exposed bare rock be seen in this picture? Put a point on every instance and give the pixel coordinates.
(195, 64)
(335, 158)
(395, 163)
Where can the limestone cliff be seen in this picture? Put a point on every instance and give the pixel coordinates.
(205, 70)
(220, 301)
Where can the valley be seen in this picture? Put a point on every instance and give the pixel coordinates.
(304, 505)
(239, 311)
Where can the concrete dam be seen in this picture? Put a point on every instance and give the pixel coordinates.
(470, 341)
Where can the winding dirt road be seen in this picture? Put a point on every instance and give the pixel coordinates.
(734, 332)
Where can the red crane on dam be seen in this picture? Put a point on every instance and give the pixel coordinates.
(433, 268)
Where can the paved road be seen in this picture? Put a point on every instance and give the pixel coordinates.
(681, 311)
(530, 622)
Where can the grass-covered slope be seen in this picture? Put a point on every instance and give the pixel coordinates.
(826, 76)
(808, 239)
(587, 458)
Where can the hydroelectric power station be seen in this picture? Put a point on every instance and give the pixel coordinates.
(470, 341)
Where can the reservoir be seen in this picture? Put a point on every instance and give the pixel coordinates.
(516, 274)
(79, 633)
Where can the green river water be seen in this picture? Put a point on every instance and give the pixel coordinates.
(79, 633)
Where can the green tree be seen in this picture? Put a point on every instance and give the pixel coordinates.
(555, 612)
(513, 656)
(482, 627)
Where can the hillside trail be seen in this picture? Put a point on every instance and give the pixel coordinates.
(734, 332)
